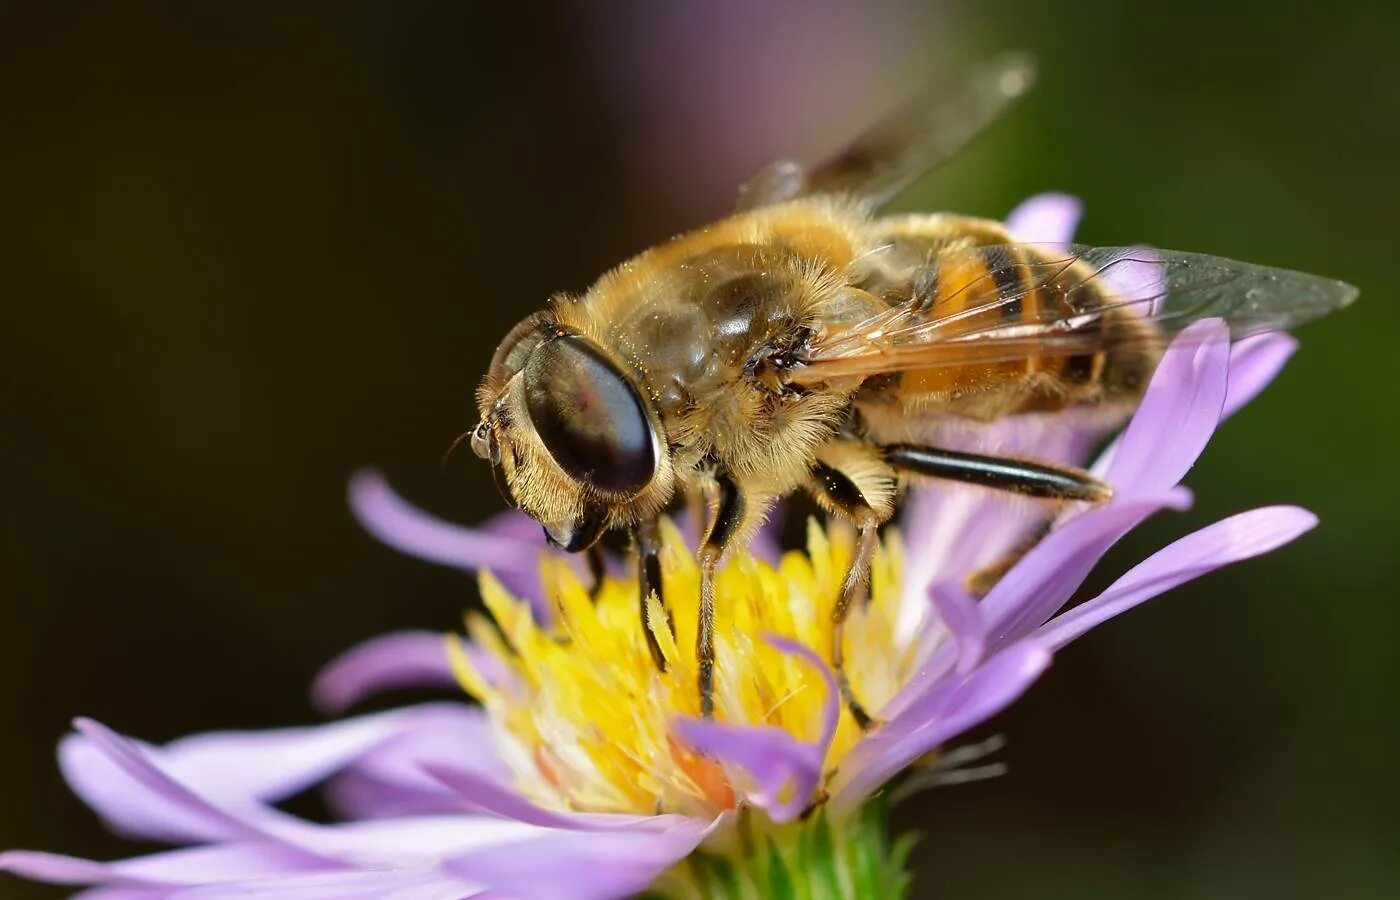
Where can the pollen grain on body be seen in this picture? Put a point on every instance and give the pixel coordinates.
(585, 717)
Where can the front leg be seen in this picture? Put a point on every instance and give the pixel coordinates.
(648, 583)
(728, 513)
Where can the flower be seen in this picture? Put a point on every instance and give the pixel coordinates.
(584, 758)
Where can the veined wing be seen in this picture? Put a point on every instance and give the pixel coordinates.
(1014, 302)
(923, 132)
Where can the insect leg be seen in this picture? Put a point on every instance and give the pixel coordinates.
(727, 514)
(850, 480)
(981, 582)
(1029, 479)
(597, 568)
(649, 582)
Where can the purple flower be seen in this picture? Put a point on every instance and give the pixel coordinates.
(586, 773)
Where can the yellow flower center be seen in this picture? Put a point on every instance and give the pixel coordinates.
(584, 717)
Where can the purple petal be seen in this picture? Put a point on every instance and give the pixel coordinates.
(764, 545)
(948, 534)
(1045, 218)
(589, 865)
(1138, 277)
(194, 865)
(169, 793)
(925, 726)
(402, 659)
(1228, 541)
(1254, 362)
(963, 618)
(393, 778)
(481, 794)
(777, 762)
(119, 780)
(1178, 414)
(405, 527)
(1040, 584)
(412, 884)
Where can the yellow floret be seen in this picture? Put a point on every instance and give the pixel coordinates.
(584, 717)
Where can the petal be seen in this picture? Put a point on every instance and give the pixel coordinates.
(185, 790)
(1139, 277)
(1254, 362)
(949, 712)
(948, 534)
(780, 765)
(765, 545)
(393, 779)
(961, 614)
(592, 865)
(395, 661)
(481, 794)
(417, 884)
(1043, 581)
(403, 526)
(1178, 414)
(1228, 541)
(193, 865)
(1045, 218)
(119, 780)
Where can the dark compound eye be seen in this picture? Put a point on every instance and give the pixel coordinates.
(588, 416)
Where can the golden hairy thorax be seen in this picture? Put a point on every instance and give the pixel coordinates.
(691, 317)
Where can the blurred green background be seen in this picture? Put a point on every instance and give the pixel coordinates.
(250, 247)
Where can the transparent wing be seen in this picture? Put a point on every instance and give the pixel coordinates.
(928, 129)
(1017, 301)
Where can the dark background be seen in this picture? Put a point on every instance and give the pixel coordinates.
(250, 247)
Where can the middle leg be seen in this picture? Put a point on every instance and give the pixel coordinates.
(850, 480)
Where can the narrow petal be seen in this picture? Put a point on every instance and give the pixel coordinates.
(185, 790)
(1254, 363)
(960, 613)
(394, 779)
(1228, 541)
(765, 545)
(1045, 218)
(396, 661)
(1046, 578)
(394, 884)
(510, 557)
(1138, 277)
(1178, 414)
(924, 727)
(119, 780)
(950, 533)
(591, 865)
(481, 794)
(188, 866)
(785, 770)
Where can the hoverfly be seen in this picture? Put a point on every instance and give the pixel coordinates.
(809, 343)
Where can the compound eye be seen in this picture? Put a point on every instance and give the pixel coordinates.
(588, 416)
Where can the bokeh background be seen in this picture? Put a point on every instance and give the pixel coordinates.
(250, 247)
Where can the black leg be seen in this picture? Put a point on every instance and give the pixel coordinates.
(981, 582)
(839, 493)
(649, 582)
(1029, 479)
(597, 568)
(726, 515)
